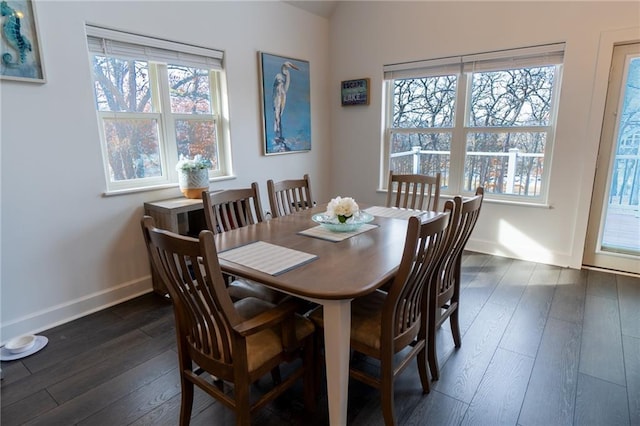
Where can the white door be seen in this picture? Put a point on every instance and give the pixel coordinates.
(613, 235)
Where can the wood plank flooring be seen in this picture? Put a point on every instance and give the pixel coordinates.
(541, 346)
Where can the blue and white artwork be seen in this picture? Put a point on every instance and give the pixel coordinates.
(286, 104)
(19, 47)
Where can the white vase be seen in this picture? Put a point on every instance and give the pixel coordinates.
(193, 182)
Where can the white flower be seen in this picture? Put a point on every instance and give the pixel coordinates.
(197, 163)
(339, 206)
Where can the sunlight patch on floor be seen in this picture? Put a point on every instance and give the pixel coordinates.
(520, 244)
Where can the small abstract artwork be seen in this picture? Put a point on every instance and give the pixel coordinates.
(286, 107)
(20, 45)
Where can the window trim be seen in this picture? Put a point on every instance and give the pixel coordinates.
(158, 53)
(463, 66)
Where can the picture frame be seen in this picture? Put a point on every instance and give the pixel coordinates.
(21, 56)
(355, 92)
(285, 93)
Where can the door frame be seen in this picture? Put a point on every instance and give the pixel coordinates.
(593, 256)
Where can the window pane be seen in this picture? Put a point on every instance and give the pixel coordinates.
(189, 88)
(424, 102)
(121, 85)
(519, 97)
(198, 137)
(133, 148)
(505, 163)
(421, 153)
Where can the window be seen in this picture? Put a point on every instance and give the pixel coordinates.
(156, 101)
(480, 120)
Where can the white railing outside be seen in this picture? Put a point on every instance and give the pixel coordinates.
(518, 173)
(512, 172)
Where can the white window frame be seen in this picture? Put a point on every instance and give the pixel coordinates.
(463, 67)
(158, 53)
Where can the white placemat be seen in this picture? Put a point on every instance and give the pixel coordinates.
(268, 258)
(394, 212)
(325, 234)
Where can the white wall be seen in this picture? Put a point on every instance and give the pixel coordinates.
(66, 249)
(367, 35)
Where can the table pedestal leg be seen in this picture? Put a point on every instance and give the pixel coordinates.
(337, 330)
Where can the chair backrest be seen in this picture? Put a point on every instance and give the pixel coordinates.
(405, 304)
(204, 312)
(464, 216)
(232, 208)
(413, 191)
(289, 196)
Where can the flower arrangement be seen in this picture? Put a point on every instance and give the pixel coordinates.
(342, 208)
(196, 163)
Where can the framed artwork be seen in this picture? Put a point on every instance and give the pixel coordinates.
(20, 46)
(355, 92)
(286, 107)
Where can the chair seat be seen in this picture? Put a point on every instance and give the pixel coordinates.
(366, 319)
(241, 288)
(249, 307)
(267, 344)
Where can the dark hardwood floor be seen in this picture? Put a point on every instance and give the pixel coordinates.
(541, 345)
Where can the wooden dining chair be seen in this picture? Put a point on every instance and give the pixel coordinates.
(383, 323)
(289, 196)
(235, 343)
(232, 209)
(444, 297)
(413, 191)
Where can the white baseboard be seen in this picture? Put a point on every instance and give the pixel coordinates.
(45, 319)
(527, 253)
(51, 317)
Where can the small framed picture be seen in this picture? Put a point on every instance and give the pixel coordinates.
(20, 44)
(355, 92)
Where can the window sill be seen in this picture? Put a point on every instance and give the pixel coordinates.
(492, 201)
(513, 203)
(116, 192)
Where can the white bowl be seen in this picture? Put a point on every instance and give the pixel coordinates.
(20, 344)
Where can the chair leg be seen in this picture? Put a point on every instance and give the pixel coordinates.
(455, 328)
(218, 383)
(431, 350)
(386, 392)
(319, 359)
(276, 376)
(186, 401)
(386, 396)
(422, 370)
(310, 387)
(243, 404)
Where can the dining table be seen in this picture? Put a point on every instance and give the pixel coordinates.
(300, 257)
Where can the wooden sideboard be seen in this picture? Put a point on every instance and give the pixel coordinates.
(180, 215)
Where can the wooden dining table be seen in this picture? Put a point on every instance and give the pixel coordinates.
(338, 273)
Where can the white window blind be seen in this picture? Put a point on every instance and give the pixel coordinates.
(548, 54)
(104, 41)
